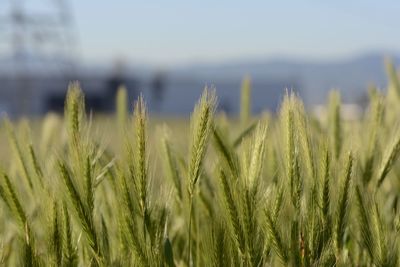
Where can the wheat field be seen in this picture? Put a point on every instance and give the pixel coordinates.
(286, 189)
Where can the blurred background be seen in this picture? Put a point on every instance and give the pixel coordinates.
(170, 50)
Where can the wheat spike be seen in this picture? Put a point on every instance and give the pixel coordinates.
(391, 154)
(343, 204)
(201, 126)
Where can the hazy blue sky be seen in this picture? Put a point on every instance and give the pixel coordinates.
(170, 32)
(174, 32)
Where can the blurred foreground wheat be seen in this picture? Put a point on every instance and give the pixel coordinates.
(286, 190)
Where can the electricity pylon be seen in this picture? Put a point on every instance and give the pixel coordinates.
(37, 39)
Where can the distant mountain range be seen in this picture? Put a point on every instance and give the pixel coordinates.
(313, 79)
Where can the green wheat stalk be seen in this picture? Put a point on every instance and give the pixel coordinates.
(140, 156)
(335, 123)
(200, 127)
(122, 108)
(245, 100)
